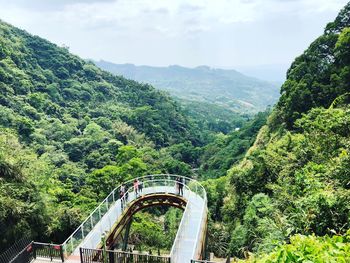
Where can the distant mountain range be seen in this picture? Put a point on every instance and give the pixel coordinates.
(228, 88)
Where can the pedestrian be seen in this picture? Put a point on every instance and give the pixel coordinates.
(121, 194)
(177, 186)
(136, 187)
(126, 194)
(140, 186)
(181, 186)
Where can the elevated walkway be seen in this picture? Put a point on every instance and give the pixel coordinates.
(112, 215)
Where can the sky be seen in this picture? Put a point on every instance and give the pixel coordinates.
(250, 35)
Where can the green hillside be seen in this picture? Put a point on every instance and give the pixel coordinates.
(290, 196)
(39, 78)
(226, 88)
(70, 132)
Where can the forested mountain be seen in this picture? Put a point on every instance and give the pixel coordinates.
(293, 186)
(70, 132)
(227, 88)
(41, 78)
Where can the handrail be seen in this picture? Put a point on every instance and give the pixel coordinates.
(15, 249)
(199, 230)
(111, 198)
(24, 252)
(201, 261)
(38, 250)
(46, 244)
(88, 255)
(181, 225)
(154, 181)
(131, 181)
(46, 250)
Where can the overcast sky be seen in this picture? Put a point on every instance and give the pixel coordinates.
(218, 33)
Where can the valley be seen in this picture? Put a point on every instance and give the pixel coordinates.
(274, 163)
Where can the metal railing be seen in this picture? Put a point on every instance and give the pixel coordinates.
(15, 249)
(49, 251)
(73, 241)
(24, 256)
(196, 250)
(183, 229)
(35, 250)
(182, 226)
(88, 255)
(201, 261)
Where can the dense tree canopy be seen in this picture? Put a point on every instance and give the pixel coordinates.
(71, 132)
(294, 181)
(320, 74)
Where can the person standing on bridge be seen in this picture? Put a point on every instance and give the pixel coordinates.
(121, 195)
(126, 194)
(140, 186)
(177, 184)
(136, 187)
(181, 186)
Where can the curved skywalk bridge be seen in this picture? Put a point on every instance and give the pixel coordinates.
(190, 238)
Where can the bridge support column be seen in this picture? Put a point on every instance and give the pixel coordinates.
(126, 235)
(205, 248)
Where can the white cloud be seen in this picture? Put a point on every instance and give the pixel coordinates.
(188, 32)
(168, 17)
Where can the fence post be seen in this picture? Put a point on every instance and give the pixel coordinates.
(81, 255)
(34, 250)
(111, 257)
(50, 251)
(104, 249)
(61, 253)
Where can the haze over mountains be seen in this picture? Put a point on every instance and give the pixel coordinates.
(228, 88)
(270, 72)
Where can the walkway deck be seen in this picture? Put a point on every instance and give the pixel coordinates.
(190, 236)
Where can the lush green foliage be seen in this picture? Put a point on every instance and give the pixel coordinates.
(310, 249)
(71, 132)
(77, 132)
(321, 74)
(293, 182)
(226, 150)
(153, 231)
(295, 178)
(45, 86)
(29, 187)
(213, 118)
